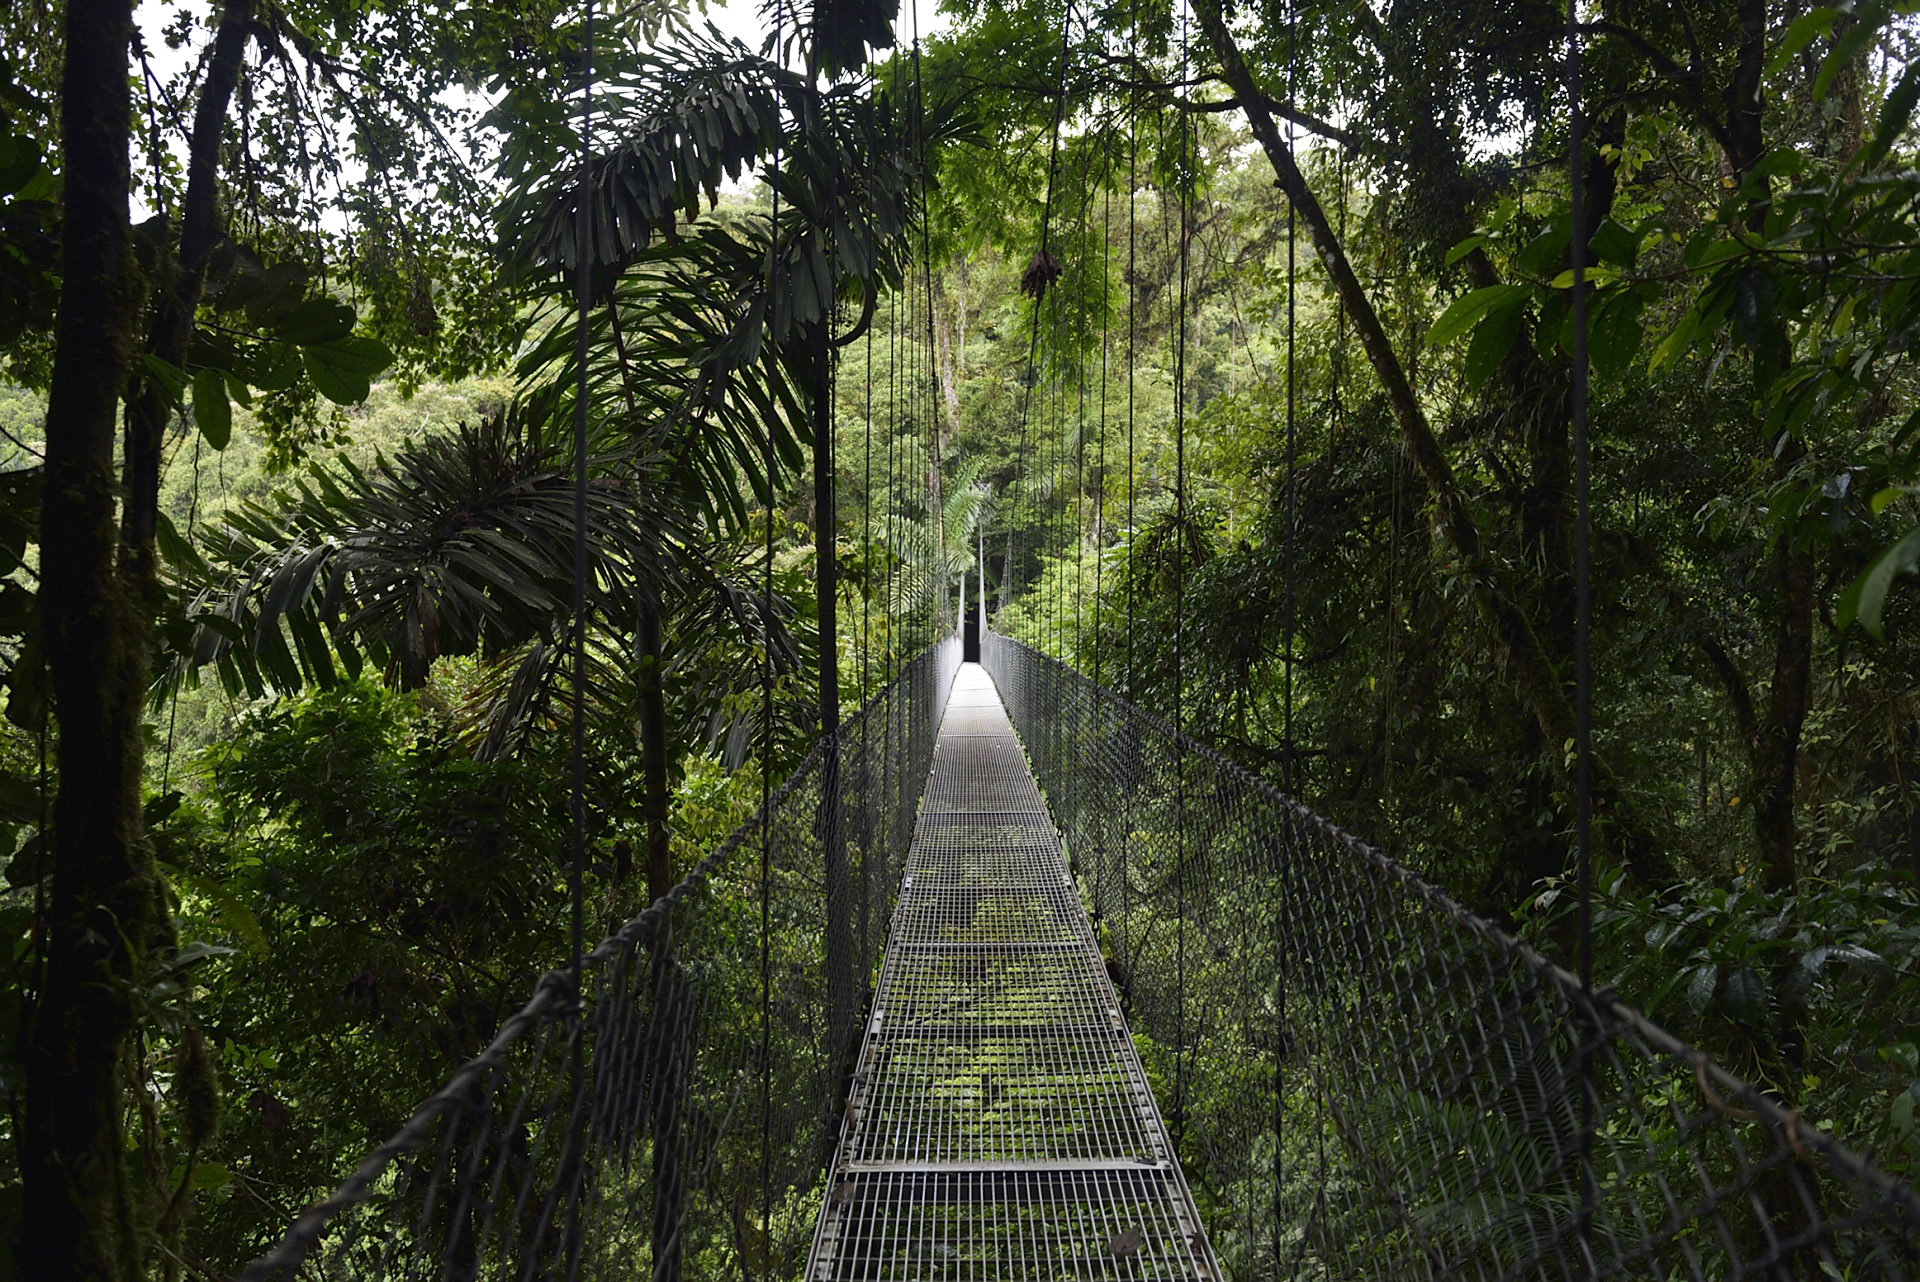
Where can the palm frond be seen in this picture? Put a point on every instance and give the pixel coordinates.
(462, 545)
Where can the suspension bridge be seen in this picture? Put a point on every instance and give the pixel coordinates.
(1137, 1015)
(1011, 979)
(1000, 1122)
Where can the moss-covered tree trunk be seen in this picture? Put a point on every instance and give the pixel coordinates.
(78, 1217)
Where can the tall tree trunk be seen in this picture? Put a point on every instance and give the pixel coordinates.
(77, 1213)
(172, 330)
(960, 326)
(1776, 743)
(943, 359)
(1526, 659)
(1774, 753)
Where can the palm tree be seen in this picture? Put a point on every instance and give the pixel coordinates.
(938, 548)
(708, 372)
(837, 159)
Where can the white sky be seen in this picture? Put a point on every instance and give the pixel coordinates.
(740, 19)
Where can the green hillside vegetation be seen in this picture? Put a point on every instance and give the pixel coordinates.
(286, 697)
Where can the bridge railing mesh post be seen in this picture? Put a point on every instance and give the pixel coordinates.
(641, 1132)
(1367, 1081)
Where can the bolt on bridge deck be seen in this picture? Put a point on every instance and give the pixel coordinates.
(1000, 1125)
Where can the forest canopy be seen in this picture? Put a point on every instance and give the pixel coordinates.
(1228, 351)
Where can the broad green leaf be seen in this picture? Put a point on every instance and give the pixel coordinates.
(1705, 250)
(284, 280)
(1613, 337)
(1464, 248)
(1674, 345)
(19, 799)
(276, 367)
(1801, 32)
(1545, 252)
(29, 863)
(208, 1176)
(342, 371)
(315, 320)
(1467, 310)
(1852, 42)
(1594, 276)
(1885, 496)
(1782, 161)
(1613, 243)
(1700, 987)
(212, 413)
(172, 379)
(178, 552)
(1494, 338)
(1746, 996)
(1866, 597)
(39, 185)
(1896, 113)
(236, 915)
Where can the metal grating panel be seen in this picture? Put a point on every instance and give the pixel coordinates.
(998, 985)
(944, 1096)
(1011, 1226)
(999, 1124)
(997, 855)
(943, 911)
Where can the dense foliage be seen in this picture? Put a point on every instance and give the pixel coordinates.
(1220, 503)
(1232, 362)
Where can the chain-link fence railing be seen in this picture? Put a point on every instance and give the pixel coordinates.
(1364, 1080)
(677, 1122)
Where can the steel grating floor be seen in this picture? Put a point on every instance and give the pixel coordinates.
(999, 1125)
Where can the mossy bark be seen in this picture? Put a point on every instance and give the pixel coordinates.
(79, 1218)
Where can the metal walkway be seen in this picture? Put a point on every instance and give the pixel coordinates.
(1000, 1125)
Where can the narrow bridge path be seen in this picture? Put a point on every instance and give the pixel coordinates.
(1000, 1125)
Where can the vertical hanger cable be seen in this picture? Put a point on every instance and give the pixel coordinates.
(768, 463)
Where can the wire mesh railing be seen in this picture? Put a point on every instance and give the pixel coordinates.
(1364, 1080)
(677, 1121)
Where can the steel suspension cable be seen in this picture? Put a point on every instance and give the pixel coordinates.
(1583, 630)
(1288, 783)
(577, 745)
(1133, 329)
(1080, 430)
(767, 464)
(1080, 433)
(1100, 464)
(893, 506)
(583, 281)
(1183, 179)
(934, 461)
(1583, 594)
(1056, 488)
(866, 527)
